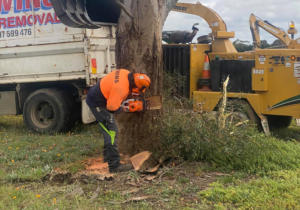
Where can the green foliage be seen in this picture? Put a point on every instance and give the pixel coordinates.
(194, 136)
(264, 44)
(242, 46)
(278, 44)
(175, 85)
(277, 190)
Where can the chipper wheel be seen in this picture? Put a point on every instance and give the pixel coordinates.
(239, 111)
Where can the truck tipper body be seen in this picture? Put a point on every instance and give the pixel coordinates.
(46, 66)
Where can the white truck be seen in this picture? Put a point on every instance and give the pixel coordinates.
(46, 67)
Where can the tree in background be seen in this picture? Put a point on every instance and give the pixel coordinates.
(264, 44)
(242, 46)
(278, 44)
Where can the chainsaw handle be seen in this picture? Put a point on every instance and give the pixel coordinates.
(133, 105)
(125, 104)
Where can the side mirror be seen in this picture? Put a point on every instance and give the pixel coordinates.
(87, 13)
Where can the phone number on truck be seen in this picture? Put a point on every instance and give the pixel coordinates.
(15, 33)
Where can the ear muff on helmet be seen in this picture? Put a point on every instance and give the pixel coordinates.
(142, 82)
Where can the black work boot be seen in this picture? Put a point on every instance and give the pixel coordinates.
(121, 168)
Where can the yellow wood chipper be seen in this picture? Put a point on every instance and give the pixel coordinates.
(266, 82)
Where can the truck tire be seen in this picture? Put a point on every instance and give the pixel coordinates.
(47, 111)
(241, 111)
(277, 122)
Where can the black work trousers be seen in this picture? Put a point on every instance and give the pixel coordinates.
(109, 129)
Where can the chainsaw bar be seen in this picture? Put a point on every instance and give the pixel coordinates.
(153, 103)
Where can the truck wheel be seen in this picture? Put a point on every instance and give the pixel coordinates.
(240, 110)
(47, 111)
(277, 122)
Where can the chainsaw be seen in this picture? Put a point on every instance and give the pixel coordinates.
(141, 104)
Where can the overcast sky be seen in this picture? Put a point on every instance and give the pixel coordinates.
(236, 14)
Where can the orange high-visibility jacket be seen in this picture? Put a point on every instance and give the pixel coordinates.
(115, 88)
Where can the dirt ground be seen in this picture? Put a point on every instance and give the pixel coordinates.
(174, 183)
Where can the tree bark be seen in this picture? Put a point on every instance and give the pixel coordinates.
(139, 49)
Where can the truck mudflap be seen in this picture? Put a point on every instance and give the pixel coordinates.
(8, 102)
(87, 13)
(86, 114)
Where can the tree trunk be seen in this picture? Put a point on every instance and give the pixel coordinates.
(139, 49)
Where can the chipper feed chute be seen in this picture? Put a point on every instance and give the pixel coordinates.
(87, 13)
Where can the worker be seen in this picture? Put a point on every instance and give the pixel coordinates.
(105, 99)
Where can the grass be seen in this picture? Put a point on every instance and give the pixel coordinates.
(277, 190)
(54, 197)
(26, 157)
